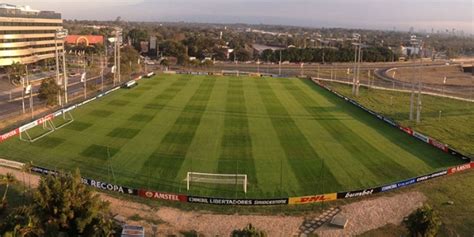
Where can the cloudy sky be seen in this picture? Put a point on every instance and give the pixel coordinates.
(372, 14)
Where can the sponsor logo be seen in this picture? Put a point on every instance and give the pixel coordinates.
(421, 137)
(407, 130)
(398, 185)
(390, 122)
(107, 186)
(45, 119)
(241, 202)
(9, 134)
(438, 145)
(359, 193)
(431, 176)
(460, 168)
(69, 109)
(28, 126)
(58, 113)
(162, 196)
(389, 187)
(312, 199)
(406, 183)
(43, 170)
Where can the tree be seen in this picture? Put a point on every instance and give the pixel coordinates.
(424, 222)
(48, 91)
(129, 61)
(62, 206)
(7, 180)
(15, 72)
(248, 231)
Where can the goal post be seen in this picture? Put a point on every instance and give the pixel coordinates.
(230, 72)
(47, 128)
(211, 178)
(67, 119)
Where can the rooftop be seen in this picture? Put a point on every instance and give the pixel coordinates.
(9, 10)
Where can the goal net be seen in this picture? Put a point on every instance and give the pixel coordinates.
(230, 72)
(209, 178)
(34, 131)
(64, 120)
(42, 127)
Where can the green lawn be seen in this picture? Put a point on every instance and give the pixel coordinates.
(289, 136)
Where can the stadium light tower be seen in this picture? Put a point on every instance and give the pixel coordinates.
(61, 34)
(413, 42)
(117, 44)
(357, 58)
(419, 104)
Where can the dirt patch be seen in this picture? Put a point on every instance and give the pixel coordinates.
(363, 216)
(372, 214)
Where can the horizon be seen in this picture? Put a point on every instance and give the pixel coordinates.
(441, 15)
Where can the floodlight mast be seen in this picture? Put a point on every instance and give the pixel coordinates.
(117, 43)
(61, 34)
(357, 58)
(413, 42)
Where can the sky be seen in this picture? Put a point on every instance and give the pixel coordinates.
(367, 14)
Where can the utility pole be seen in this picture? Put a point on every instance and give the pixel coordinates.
(84, 78)
(419, 105)
(58, 80)
(279, 65)
(23, 94)
(358, 69)
(31, 92)
(102, 61)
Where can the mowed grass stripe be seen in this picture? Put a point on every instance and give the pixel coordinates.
(167, 159)
(310, 170)
(370, 156)
(205, 149)
(236, 147)
(273, 170)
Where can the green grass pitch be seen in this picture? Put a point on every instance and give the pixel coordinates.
(288, 135)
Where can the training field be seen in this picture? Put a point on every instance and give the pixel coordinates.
(289, 136)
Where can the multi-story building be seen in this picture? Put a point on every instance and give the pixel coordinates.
(27, 35)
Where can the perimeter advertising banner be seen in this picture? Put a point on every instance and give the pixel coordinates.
(461, 168)
(109, 187)
(162, 196)
(7, 135)
(237, 202)
(91, 182)
(312, 199)
(359, 193)
(438, 145)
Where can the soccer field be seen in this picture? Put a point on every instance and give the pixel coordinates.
(288, 136)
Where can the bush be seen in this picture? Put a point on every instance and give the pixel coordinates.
(424, 222)
(248, 231)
